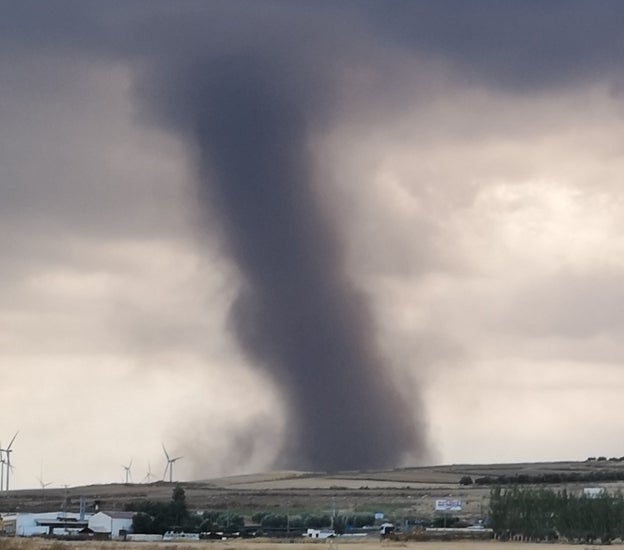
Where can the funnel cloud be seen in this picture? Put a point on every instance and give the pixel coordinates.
(298, 316)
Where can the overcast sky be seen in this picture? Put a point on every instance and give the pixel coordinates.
(470, 156)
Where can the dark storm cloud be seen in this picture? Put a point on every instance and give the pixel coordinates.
(523, 45)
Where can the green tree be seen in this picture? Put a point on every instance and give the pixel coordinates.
(179, 511)
(142, 523)
(466, 480)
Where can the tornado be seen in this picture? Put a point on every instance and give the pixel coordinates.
(298, 315)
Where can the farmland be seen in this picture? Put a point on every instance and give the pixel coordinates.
(400, 492)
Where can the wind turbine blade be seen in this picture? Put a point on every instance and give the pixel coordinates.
(12, 440)
(166, 453)
(176, 458)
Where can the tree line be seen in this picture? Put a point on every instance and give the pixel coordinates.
(156, 518)
(539, 514)
(153, 517)
(600, 476)
(340, 523)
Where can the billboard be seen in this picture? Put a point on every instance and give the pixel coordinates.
(448, 505)
(593, 492)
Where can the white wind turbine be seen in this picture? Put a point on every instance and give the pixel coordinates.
(169, 466)
(149, 475)
(127, 470)
(7, 461)
(43, 484)
(40, 479)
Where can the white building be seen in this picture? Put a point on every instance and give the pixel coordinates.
(319, 533)
(28, 525)
(111, 523)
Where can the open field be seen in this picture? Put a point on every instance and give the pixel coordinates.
(402, 492)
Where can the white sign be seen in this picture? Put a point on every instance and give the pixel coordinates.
(593, 492)
(379, 515)
(448, 505)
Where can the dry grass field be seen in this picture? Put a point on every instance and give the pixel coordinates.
(257, 544)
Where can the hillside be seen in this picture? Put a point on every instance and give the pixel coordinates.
(405, 491)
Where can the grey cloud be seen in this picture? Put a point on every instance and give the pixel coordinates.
(571, 304)
(244, 88)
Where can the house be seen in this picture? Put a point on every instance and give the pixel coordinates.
(112, 524)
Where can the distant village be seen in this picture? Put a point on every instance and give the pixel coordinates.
(152, 521)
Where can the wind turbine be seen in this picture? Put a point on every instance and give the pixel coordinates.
(149, 475)
(169, 465)
(127, 469)
(9, 467)
(42, 484)
(40, 479)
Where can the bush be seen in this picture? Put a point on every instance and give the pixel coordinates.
(317, 522)
(466, 480)
(259, 516)
(274, 521)
(359, 520)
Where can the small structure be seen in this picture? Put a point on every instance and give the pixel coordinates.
(137, 537)
(111, 524)
(179, 536)
(385, 529)
(320, 533)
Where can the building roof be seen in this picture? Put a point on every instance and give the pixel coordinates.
(119, 515)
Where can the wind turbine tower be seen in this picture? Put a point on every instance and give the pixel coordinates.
(2, 463)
